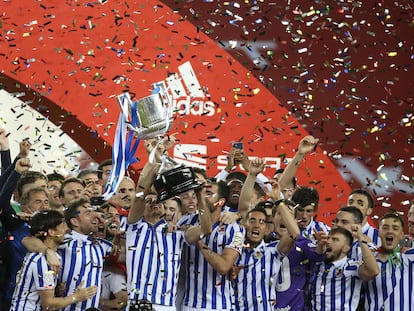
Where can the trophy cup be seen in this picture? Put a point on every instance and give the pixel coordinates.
(174, 179)
(150, 116)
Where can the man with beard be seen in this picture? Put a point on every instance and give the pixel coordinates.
(392, 288)
(337, 281)
(257, 267)
(114, 292)
(36, 282)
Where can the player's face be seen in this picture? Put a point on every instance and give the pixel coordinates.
(93, 183)
(235, 187)
(279, 225)
(411, 220)
(360, 201)
(88, 222)
(54, 186)
(391, 233)
(255, 227)
(125, 193)
(189, 201)
(304, 215)
(153, 207)
(344, 220)
(112, 222)
(336, 247)
(172, 210)
(72, 191)
(106, 171)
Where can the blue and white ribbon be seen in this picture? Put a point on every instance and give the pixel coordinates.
(124, 147)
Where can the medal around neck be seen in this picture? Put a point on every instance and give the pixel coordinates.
(174, 179)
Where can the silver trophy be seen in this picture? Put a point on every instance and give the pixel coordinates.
(149, 116)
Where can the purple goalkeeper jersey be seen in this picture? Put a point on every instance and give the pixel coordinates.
(294, 275)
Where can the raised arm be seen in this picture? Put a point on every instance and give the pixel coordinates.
(145, 181)
(256, 167)
(288, 240)
(306, 145)
(369, 268)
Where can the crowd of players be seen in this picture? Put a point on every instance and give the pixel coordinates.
(242, 241)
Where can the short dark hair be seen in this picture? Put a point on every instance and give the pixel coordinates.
(366, 194)
(71, 210)
(356, 213)
(280, 171)
(348, 235)
(88, 171)
(55, 176)
(42, 221)
(28, 177)
(223, 190)
(394, 216)
(236, 175)
(198, 170)
(306, 196)
(68, 181)
(259, 209)
(105, 162)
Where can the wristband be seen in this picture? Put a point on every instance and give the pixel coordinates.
(74, 300)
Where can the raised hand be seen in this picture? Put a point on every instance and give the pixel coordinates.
(307, 144)
(22, 165)
(256, 166)
(25, 146)
(4, 141)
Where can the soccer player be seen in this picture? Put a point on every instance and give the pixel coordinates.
(362, 200)
(16, 226)
(82, 254)
(292, 280)
(346, 217)
(307, 200)
(35, 281)
(337, 281)
(392, 288)
(153, 248)
(207, 265)
(259, 263)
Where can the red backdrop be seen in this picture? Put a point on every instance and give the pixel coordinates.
(74, 57)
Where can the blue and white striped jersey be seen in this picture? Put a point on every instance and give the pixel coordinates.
(34, 275)
(255, 284)
(336, 286)
(205, 287)
(372, 233)
(153, 259)
(82, 260)
(393, 287)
